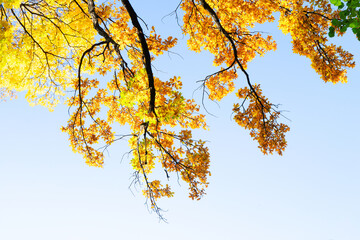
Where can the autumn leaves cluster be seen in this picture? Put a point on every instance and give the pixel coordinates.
(51, 48)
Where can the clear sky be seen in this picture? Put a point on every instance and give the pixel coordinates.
(311, 192)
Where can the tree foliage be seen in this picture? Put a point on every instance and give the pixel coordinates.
(349, 17)
(51, 47)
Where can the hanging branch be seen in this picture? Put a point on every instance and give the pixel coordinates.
(145, 52)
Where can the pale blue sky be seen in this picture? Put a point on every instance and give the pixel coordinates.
(312, 192)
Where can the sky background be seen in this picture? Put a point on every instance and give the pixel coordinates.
(311, 192)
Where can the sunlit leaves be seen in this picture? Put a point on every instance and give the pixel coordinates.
(261, 118)
(336, 2)
(308, 27)
(39, 44)
(50, 48)
(11, 3)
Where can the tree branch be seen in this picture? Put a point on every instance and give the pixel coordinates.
(145, 52)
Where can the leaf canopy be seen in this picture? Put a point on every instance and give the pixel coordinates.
(52, 47)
